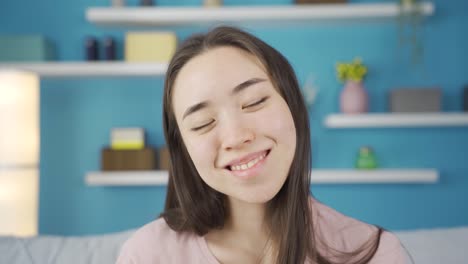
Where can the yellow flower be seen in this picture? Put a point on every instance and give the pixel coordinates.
(355, 71)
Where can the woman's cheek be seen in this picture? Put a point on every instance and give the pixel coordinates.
(200, 150)
(281, 122)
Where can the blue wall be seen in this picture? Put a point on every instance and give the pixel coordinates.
(77, 115)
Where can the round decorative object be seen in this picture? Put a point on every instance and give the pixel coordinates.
(353, 98)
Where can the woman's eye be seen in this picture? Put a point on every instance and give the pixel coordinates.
(257, 102)
(202, 126)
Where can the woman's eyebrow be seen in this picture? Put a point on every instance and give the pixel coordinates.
(239, 88)
(194, 108)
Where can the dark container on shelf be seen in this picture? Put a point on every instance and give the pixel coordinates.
(109, 48)
(321, 1)
(146, 2)
(91, 49)
(465, 98)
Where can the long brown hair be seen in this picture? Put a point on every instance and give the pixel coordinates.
(193, 206)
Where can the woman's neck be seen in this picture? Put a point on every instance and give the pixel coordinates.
(245, 230)
(246, 219)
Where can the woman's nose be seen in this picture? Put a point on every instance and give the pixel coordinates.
(235, 134)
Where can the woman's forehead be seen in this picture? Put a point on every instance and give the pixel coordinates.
(222, 64)
(215, 72)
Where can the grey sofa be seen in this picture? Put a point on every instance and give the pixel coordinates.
(429, 246)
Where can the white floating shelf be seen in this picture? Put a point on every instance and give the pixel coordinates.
(163, 16)
(374, 176)
(396, 120)
(319, 176)
(89, 69)
(126, 178)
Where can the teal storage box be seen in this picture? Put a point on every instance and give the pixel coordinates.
(25, 48)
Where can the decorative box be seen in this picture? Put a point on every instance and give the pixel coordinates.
(164, 158)
(25, 48)
(415, 100)
(143, 159)
(150, 46)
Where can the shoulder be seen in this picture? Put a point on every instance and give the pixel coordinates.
(345, 233)
(390, 250)
(155, 242)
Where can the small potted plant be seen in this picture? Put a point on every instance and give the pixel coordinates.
(353, 97)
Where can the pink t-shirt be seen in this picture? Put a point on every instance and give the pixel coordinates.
(157, 243)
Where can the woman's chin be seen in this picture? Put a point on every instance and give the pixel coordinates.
(257, 197)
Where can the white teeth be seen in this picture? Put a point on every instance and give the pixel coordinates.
(248, 165)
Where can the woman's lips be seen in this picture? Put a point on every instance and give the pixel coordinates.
(250, 172)
(246, 158)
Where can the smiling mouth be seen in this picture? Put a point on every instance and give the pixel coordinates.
(248, 165)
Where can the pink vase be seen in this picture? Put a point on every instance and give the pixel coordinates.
(353, 98)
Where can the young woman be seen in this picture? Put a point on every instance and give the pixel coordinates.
(238, 134)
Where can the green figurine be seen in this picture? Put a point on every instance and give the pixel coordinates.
(366, 159)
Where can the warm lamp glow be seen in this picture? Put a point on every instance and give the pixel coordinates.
(19, 118)
(19, 153)
(18, 202)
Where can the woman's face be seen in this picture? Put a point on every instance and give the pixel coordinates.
(237, 128)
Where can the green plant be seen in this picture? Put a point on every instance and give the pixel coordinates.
(410, 23)
(354, 71)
